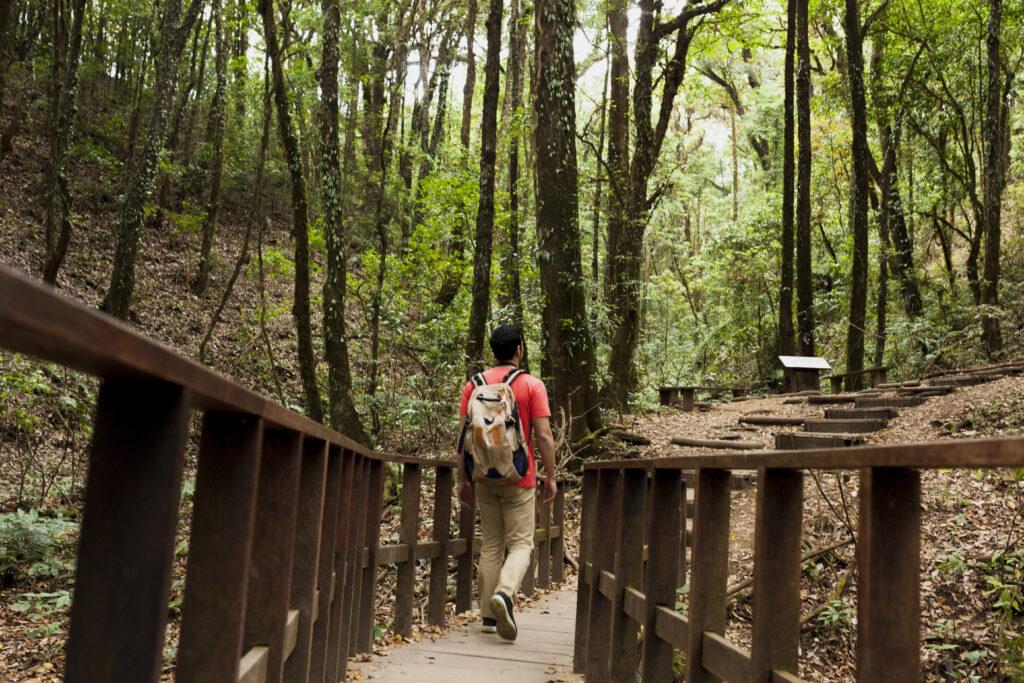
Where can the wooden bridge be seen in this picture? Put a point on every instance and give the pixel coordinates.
(286, 534)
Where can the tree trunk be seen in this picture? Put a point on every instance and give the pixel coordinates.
(173, 33)
(618, 143)
(58, 191)
(300, 219)
(787, 340)
(804, 284)
(570, 347)
(342, 415)
(993, 176)
(218, 112)
(859, 198)
(480, 308)
(467, 91)
(511, 261)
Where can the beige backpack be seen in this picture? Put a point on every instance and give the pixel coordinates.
(492, 437)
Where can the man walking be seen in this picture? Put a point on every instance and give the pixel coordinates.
(507, 517)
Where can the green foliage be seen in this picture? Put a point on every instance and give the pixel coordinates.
(32, 545)
(838, 612)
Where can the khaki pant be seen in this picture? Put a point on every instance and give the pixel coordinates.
(506, 520)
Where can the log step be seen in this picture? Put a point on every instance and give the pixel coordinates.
(928, 389)
(799, 441)
(891, 402)
(832, 399)
(884, 413)
(820, 425)
(730, 444)
(794, 421)
(965, 380)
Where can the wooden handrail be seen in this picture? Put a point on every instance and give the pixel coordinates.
(285, 541)
(614, 601)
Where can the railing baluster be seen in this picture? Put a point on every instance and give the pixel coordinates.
(710, 566)
(776, 629)
(307, 548)
(273, 543)
(407, 534)
(336, 642)
(529, 579)
(628, 572)
(126, 551)
(667, 489)
(354, 568)
(588, 522)
(544, 551)
(464, 568)
(888, 588)
(371, 539)
(325, 564)
(558, 545)
(609, 488)
(442, 533)
(223, 509)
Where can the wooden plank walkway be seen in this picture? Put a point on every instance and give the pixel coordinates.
(541, 653)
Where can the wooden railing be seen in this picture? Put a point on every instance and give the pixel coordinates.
(284, 549)
(632, 510)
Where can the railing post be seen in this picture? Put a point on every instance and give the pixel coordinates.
(709, 566)
(588, 522)
(354, 565)
(306, 556)
(442, 533)
(599, 641)
(888, 588)
(530, 578)
(223, 508)
(464, 567)
(628, 572)
(778, 534)
(273, 544)
(544, 551)
(371, 539)
(558, 544)
(408, 531)
(325, 576)
(337, 638)
(667, 489)
(126, 551)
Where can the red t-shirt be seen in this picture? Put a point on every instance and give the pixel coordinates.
(532, 400)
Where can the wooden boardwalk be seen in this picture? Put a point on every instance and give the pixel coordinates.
(542, 652)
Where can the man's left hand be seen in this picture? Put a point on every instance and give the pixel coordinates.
(550, 489)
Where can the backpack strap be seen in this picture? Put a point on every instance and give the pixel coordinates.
(512, 374)
(478, 379)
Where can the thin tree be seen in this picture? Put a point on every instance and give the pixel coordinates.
(341, 409)
(859, 199)
(60, 204)
(467, 90)
(218, 112)
(174, 29)
(480, 308)
(804, 286)
(787, 338)
(994, 178)
(569, 343)
(300, 219)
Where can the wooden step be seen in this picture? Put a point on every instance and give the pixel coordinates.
(965, 380)
(732, 444)
(890, 402)
(832, 399)
(794, 421)
(822, 425)
(884, 413)
(928, 389)
(799, 441)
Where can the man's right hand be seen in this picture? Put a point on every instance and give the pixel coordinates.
(465, 493)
